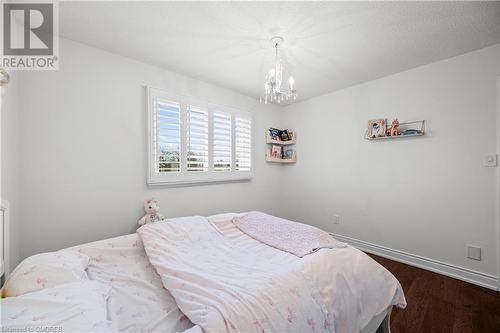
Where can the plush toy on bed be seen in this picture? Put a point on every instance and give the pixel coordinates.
(152, 208)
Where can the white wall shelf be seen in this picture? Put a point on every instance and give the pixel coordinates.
(396, 137)
(281, 143)
(416, 126)
(281, 160)
(270, 142)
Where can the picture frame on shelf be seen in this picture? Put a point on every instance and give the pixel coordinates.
(376, 128)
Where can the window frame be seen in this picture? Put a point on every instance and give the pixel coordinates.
(185, 177)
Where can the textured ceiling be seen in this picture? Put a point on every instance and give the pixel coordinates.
(328, 45)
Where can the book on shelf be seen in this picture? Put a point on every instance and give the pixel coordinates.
(274, 134)
(288, 154)
(284, 135)
(280, 135)
(281, 153)
(277, 152)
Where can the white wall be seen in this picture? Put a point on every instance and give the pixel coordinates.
(426, 196)
(82, 161)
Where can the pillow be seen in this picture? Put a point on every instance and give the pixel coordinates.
(71, 307)
(46, 270)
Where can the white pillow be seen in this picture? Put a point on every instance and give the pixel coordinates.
(46, 270)
(72, 307)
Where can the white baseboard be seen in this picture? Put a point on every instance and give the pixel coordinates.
(457, 272)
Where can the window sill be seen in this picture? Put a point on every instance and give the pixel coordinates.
(201, 181)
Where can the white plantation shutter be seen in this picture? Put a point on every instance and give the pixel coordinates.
(222, 141)
(167, 136)
(197, 139)
(243, 144)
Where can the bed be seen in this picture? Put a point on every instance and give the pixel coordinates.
(136, 299)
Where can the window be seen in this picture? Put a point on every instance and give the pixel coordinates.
(243, 144)
(222, 140)
(197, 139)
(168, 136)
(192, 141)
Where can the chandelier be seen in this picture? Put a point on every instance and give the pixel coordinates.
(273, 90)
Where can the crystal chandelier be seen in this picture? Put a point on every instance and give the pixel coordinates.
(274, 92)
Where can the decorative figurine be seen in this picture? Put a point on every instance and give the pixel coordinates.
(394, 127)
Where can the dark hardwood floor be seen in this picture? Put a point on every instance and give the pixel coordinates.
(437, 303)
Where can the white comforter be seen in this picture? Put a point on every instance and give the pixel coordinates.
(137, 301)
(71, 307)
(223, 288)
(224, 281)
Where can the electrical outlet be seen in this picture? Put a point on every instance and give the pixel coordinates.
(473, 252)
(336, 219)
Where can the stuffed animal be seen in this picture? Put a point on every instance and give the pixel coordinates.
(152, 208)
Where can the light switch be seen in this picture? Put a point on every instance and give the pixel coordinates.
(490, 160)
